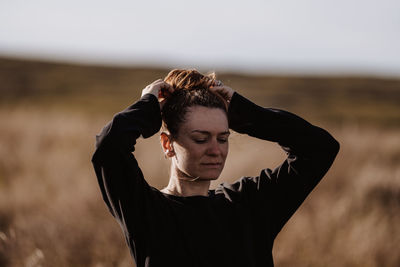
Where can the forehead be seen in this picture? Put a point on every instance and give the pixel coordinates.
(213, 120)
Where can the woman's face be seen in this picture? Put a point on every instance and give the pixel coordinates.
(201, 146)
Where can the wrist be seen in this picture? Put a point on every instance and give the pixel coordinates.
(145, 92)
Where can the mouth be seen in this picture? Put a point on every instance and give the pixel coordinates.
(212, 164)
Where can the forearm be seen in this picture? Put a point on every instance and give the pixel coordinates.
(311, 151)
(120, 179)
(141, 118)
(287, 129)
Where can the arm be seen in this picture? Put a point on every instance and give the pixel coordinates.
(121, 181)
(120, 178)
(310, 149)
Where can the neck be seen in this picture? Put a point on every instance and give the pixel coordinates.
(184, 185)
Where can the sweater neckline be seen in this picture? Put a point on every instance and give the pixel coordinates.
(211, 194)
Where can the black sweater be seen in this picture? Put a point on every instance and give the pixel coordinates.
(236, 224)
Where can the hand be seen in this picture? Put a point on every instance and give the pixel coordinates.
(225, 92)
(159, 89)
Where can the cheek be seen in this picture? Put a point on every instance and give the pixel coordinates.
(225, 153)
(187, 155)
(225, 150)
(193, 155)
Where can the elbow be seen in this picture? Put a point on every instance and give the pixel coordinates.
(327, 145)
(327, 153)
(332, 148)
(104, 137)
(98, 149)
(103, 141)
(100, 145)
(336, 146)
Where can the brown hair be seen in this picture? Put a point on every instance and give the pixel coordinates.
(189, 79)
(190, 89)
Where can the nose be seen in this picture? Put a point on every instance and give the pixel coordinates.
(214, 148)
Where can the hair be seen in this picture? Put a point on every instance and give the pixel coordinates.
(190, 89)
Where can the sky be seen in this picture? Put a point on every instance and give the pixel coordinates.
(283, 36)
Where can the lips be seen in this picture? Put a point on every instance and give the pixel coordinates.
(217, 164)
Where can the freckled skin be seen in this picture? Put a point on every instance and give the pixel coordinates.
(201, 146)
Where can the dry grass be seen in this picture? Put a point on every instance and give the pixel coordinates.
(51, 213)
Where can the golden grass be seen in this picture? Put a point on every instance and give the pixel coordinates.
(52, 214)
(51, 211)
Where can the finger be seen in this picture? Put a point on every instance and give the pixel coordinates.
(167, 87)
(164, 94)
(161, 86)
(158, 80)
(223, 98)
(217, 89)
(222, 92)
(216, 83)
(166, 90)
(211, 83)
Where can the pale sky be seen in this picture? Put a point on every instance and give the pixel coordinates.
(303, 36)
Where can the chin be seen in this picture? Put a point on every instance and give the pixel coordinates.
(210, 175)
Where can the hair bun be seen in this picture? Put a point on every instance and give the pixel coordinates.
(181, 79)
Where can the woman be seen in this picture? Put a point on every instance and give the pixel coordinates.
(186, 224)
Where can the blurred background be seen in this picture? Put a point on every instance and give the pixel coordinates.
(67, 66)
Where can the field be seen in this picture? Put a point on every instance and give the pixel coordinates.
(51, 211)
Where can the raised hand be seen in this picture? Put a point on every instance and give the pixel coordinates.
(225, 92)
(160, 89)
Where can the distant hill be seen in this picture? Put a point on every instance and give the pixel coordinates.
(337, 99)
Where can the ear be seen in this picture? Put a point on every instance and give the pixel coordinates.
(166, 143)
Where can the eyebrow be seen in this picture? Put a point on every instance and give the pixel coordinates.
(206, 132)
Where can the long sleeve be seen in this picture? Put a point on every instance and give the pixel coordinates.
(121, 181)
(310, 153)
